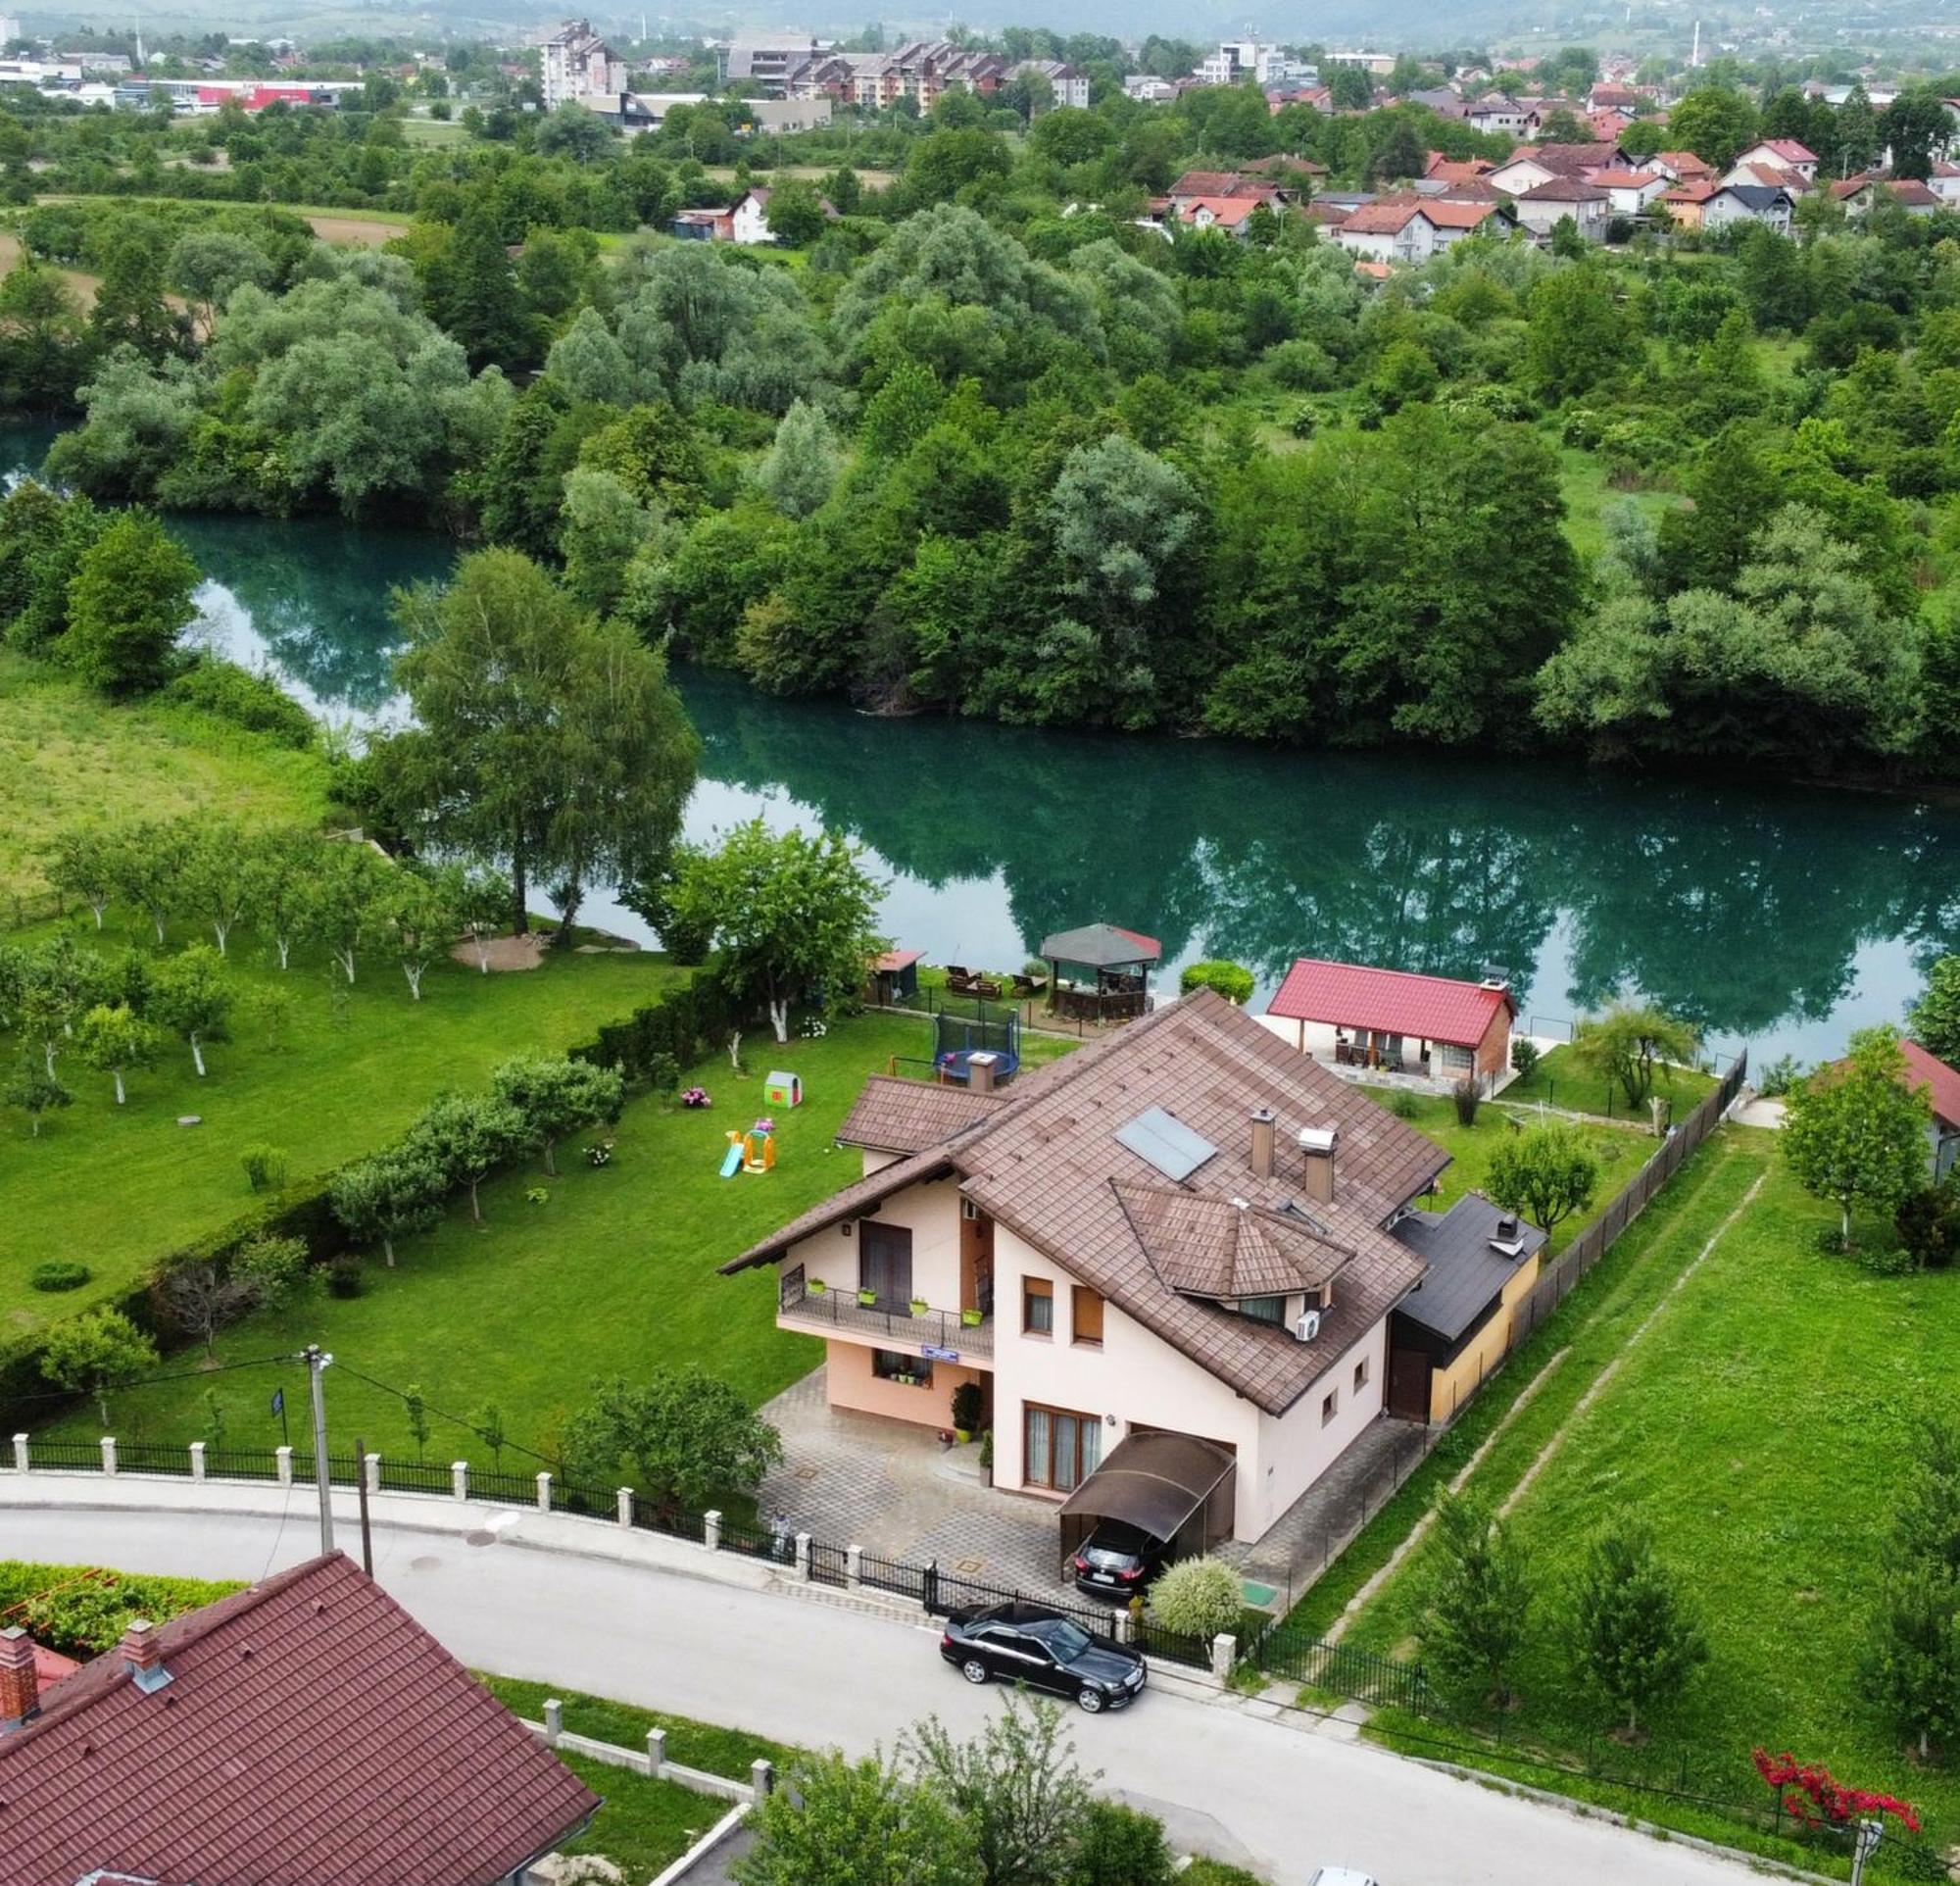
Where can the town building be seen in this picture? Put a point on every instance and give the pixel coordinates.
(307, 1731)
(1544, 206)
(766, 60)
(576, 61)
(1185, 1226)
(1412, 227)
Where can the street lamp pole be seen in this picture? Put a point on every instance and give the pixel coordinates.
(318, 1362)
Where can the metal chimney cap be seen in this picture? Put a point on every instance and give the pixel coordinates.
(1319, 1139)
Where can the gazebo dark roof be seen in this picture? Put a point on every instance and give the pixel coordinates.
(1101, 946)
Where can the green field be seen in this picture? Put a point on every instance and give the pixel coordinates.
(120, 1186)
(1559, 1082)
(66, 754)
(1756, 1427)
(614, 1272)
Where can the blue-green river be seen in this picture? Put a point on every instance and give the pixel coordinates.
(1782, 916)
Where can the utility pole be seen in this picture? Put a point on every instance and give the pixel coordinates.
(318, 1362)
(360, 1481)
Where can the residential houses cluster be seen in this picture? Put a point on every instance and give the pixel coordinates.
(798, 66)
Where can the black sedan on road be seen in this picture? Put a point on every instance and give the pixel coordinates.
(1020, 1643)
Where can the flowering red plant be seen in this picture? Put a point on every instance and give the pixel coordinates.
(1813, 1796)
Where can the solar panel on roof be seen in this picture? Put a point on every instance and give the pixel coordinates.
(1166, 1142)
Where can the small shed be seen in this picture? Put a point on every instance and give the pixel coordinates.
(895, 977)
(1100, 973)
(1174, 1487)
(1357, 1015)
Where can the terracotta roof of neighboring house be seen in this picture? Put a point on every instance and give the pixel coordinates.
(1697, 190)
(1777, 177)
(1048, 1164)
(1787, 149)
(1432, 1008)
(50, 1667)
(1475, 190)
(1925, 1069)
(1605, 95)
(1625, 180)
(1334, 214)
(1229, 210)
(1374, 271)
(311, 1732)
(1566, 160)
(895, 1116)
(1849, 187)
(1203, 184)
(1565, 189)
(1683, 164)
(1457, 170)
(1383, 219)
(892, 960)
(1455, 212)
(1102, 946)
(1606, 125)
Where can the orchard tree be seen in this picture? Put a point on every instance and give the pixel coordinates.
(466, 1137)
(81, 862)
(35, 1091)
(152, 860)
(219, 877)
(558, 1096)
(56, 985)
(1548, 1172)
(1017, 1785)
(484, 905)
(390, 1196)
(1637, 1641)
(350, 885)
(127, 603)
(192, 999)
(1912, 1667)
(266, 1273)
(419, 911)
(91, 1354)
(684, 1438)
(794, 915)
(1479, 1600)
(1631, 1044)
(280, 885)
(1855, 1132)
(112, 1040)
(1934, 1020)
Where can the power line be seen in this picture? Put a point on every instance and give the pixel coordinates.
(456, 1420)
(153, 1381)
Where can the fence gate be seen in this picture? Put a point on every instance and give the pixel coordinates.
(828, 1565)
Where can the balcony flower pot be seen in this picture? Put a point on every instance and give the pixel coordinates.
(963, 1435)
(868, 1299)
(816, 1287)
(969, 1319)
(919, 1306)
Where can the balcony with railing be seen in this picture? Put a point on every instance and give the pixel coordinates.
(961, 1333)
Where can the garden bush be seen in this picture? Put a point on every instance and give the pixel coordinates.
(345, 1277)
(1928, 1222)
(1119, 1846)
(1525, 1055)
(1404, 1105)
(264, 1167)
(1197, 1598)
(80, 1611)
(59, 1273)
(1232, 980)
(247, 700)
(1466, 1096)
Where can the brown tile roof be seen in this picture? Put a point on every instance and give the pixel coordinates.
(312, 1734)
(1210, 1247)
(1564, 190)
(1569, 160)
(1382, 218)
(893, 1116)
(1047, 1165)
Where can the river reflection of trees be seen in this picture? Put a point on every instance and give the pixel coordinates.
(1741, 907)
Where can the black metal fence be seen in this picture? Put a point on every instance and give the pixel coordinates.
(1169, 1646)
(1364, 1676)
(944, 1592)
(893, 1575)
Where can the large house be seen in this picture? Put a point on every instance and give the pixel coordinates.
(1785, 154)
(1412, 228)
(1733, 204)
(307, 1730)
(1428, 1026)
(1185, 1227)
(1586, 206)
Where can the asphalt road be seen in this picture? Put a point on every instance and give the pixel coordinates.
(1256, 1789)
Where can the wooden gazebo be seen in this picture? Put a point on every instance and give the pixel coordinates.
(1100, 973)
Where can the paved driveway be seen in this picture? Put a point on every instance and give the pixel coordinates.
(854, 1480)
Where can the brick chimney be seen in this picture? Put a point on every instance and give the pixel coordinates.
(19, 1692)
(1262, 1142)
(1317, 1146)
(980, 1071)
(142, 1655)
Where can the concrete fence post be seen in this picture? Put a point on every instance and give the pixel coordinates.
(854, 1566)
(370, 1464)
(554, 1720)
(109, 1455)
(1224, 1653)
(803, 1556)
(284, 1457)
(197, 1460)
(625, 1506)
(19, 1453)
(458, 1479)
(656, 1753)
(544, 1492)
(711, 1529)
(763, 1778)
(1122, 1627)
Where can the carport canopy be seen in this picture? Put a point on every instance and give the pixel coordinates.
(1172, 1486)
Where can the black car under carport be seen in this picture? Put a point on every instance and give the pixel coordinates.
(1173, 1487)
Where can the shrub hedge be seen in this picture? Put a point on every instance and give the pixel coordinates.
(80, 1611)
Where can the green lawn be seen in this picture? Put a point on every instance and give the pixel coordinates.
(1757, 1428)
(694, 1745)
(1620, 1152)
(1559, 1082)
(613, 1273)
(1584, 485)
(120, 1186)
(68, 754)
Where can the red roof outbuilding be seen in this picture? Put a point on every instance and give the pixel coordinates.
(1924, 1069)
(1396, 1002)
(307, 1731)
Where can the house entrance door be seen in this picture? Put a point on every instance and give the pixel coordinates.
(1408, 1385)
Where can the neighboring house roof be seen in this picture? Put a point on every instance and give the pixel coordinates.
(1101, 946)
(1048, 1164)
(1563, 189)
(1431, 1008)
(1787, 150)
(1755, 197)
(1683, 164)
(891, 962)
(1382, 218)
(1461, 213)
(1925, 1069)
(896, 1115)
(1777, 177)
(1334, 214)
(50, 1667)
(1374, 271)
(1216, 183)
(1466, 1269)
(1626, 179)
(1570, 160)
(1910, 191)
(1228, 210)
(311, 1732)
(1476, 190)
(1454, 171)
(1697, 190)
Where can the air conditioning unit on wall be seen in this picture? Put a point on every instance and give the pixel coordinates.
(1307, 1325)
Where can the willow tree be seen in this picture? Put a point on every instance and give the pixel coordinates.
(545, 740)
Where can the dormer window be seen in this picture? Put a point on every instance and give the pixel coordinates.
(1272, 1310)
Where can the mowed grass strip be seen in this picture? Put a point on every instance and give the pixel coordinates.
(1757, 1430)
(117, 1187)
(1560, 1081)
(615, 1273)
